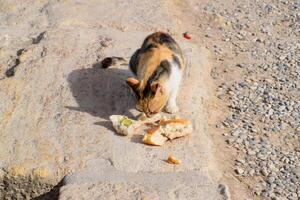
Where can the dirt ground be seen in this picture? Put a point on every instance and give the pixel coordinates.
(55, 101)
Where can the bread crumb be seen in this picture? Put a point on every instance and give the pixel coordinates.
(173, 160)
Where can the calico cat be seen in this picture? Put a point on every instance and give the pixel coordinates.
(158, 66)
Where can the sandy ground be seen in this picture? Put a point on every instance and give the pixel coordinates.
(55, 104)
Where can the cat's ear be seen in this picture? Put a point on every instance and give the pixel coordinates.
(133, 83)
(156, 87)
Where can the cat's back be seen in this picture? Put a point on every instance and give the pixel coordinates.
(156, 50)
(161, 40)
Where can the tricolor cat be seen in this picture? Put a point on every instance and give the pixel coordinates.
(158, 66)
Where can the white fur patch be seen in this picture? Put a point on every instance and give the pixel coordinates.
(175, 78)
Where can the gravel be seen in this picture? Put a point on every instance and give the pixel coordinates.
(264, 120)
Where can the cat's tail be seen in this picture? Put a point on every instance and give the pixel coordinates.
(112, 61)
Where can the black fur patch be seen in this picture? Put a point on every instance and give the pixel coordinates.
(165, 39)
(134, 61)
(163, 68)
(162, 39)
(177, 61)
(149, 47)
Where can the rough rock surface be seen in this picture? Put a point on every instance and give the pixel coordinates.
(55, 103)
(100, 180)
(256, 45)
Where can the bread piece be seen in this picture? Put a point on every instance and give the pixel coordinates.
(123, 125)
(162, 129)
(175, 128)
(173, 160)
(154, 137)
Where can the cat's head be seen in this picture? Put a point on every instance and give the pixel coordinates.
(151, 99)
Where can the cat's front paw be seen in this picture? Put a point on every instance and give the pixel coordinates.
(171, 108)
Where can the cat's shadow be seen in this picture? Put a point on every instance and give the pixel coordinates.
(101, 92)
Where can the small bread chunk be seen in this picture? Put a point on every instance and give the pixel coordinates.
(175, 128)
(154, 137)
(122, 124)
(173, 160)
